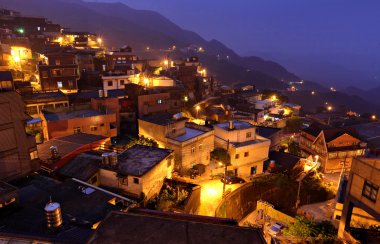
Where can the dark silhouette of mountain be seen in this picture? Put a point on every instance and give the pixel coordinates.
(371, 95)
(120, 25)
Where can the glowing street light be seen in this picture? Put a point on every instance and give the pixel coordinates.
(186, 98)
(100, 40)
(313, 93)
(197, 108)
(274, 98)
(166, 62)
(373, 117)
(146, 81)
(329, 108)
(21, 30)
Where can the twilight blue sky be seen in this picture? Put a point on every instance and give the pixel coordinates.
(341, 35)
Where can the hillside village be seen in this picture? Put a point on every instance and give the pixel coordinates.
(98, 138)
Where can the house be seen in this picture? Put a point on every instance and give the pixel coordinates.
(37, 101)
(280, 162)
(370, 132)
(117, 80)
(78, 210)
(153, 103)
(18, 151)
(121, 59)
(263, 104)
(335, 146)
(273, 134)
(247, 150)
(362, 192)
(191, 144)
(173, 228)
(58, 70)
(68, 121)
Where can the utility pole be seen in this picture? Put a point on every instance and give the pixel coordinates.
(225, 167)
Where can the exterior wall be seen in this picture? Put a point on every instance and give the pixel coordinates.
(107, 105)
(34, 110)
(162, 81)
(235, 135)
(149, 184)
(153, 103)
(53, 129)
(18, 152)
(118, 82)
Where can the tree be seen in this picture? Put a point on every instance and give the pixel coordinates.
(142, 140)
(221, 155)
(294, 124)
(306, 228)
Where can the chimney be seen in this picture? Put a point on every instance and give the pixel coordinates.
(231, 125)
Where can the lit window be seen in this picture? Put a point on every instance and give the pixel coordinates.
(136, 180)
(193, 149)
(248, 135)
(200, 146)
(159, 101)
(59, 84)
(370, 191)
(246, 154)
(71, 83)
(77, 130)
(93, 128)
(38, 28)
(33, 155)
(237, 156)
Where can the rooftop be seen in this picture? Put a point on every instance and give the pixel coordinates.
(139, 159)
(52, 116)
(67, 144)
(6, 76)
(169, 228)
(266, 131)
(330, 133)
(163, 119)
(41, 97)
(238, 125)
(283, 161)
(86, 96)
(80, 210)
(5, 188)
(82, 167)
(189, 134)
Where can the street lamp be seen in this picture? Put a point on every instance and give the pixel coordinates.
(146, 81)
(197, 108)
(374, 117)
(100, 40)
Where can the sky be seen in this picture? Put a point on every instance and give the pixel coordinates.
(340, 34)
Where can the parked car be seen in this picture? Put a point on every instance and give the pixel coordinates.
(197, 170)
(232, 180)
(217, 176)
(276, 229)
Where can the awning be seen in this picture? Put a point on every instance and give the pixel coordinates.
(34, 121)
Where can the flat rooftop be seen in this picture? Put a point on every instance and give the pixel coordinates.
(51, 116)
(6, 188)
(266, 131)
(190, 134)
(238, 125)
(80, 210)
(142, 228)
(83, 166)
(368, 131)
(43, 97)
(139, 159)
(163, 119)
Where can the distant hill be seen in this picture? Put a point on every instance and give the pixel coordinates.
(120, 25)
(372, 95)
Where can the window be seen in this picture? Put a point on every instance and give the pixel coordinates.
(173, 130)
(193, 149)
(59, 84)
(110, 83)
(77, 130)
(33, 155)
(248, 135)
(57, 62)
(94, 180)
(237, 156)
(102, 125)
(246, 154)
(71, 83)
(370, 191)
(45, 74)
(200, 147)
(159, 101)
(136, 180)
(124, 181)
(93, 128)
(38, 28)
(122, 82)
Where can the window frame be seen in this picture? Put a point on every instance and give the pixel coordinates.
(370, 191)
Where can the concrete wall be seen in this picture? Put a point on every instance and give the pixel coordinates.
(149, 104)
(235, 135)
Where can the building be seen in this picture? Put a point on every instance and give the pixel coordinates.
(121, 59)
(273, 134)
(173, 228)
(58, 70)
(81, 209)
(117, 80)
(18, 151)
(362, 192)
(335, 146)
(154, 103)
(370, 132)
(247, 150)
(37, 101)
(191, 144)
(68, 121)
